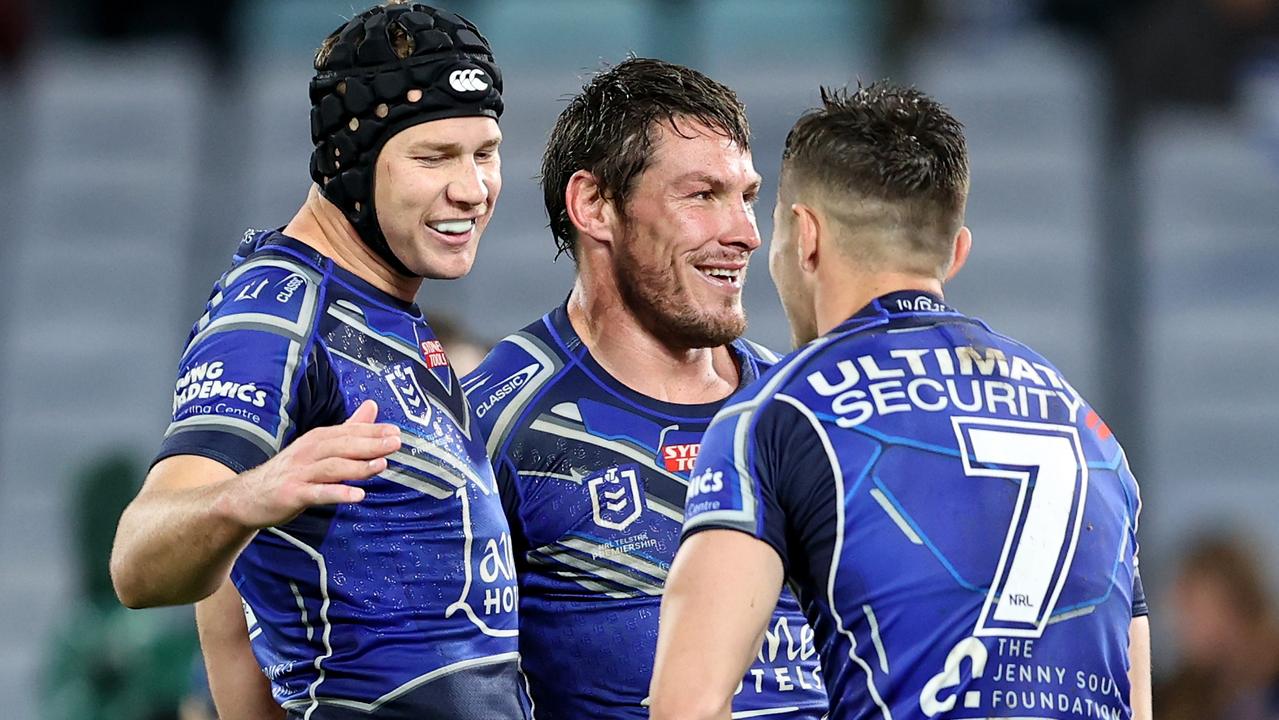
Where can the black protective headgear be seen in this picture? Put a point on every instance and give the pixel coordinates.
(360, 98)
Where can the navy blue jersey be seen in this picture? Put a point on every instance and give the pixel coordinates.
(401, 606)
(959, 525)
(593, 477)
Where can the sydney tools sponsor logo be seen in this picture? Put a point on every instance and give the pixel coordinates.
(680, 458)
(433, 354)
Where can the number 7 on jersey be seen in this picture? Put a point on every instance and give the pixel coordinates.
(1047, 463)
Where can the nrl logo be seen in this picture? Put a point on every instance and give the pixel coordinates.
(409, 393)
(615, 498)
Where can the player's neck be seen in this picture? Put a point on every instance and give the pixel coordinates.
(321, 225)
(841, 295)
(642, 361)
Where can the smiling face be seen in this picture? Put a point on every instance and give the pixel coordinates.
(435, 188)
(687, 235)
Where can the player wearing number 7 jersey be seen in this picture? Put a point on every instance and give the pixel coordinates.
(959, 525)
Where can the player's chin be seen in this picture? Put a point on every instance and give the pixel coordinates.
(720, 307)
(445, 263)
(721, 325)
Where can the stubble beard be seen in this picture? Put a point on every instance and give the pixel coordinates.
(660, 302)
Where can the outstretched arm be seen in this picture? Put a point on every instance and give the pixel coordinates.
(178, 538)
(721, 591)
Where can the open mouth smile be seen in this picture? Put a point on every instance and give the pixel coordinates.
(452, 227)
(453, 233)
(723, 277)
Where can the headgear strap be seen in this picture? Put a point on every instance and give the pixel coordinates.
(360, 99)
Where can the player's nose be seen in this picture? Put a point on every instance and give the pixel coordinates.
(742, 230)
(468, 187)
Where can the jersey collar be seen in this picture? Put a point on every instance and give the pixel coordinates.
(903, 305)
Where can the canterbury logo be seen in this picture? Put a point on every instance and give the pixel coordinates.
(470, 80)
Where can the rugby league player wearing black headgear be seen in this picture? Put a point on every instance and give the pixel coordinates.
(372, 557)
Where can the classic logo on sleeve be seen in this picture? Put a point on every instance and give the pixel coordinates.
(505, 388)
(616, 499)
(283, 289)
(288, 286)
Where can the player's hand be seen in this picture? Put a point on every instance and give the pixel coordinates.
(313, 470)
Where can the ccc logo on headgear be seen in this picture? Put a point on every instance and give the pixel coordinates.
(468, 80)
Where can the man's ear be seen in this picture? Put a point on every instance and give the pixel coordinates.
(591, 213)
(808, 231)
(963, 244)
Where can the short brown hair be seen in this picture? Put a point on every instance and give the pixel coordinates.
(886, 157)
(607, 130)
(401, 41)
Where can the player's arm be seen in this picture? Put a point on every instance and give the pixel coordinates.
(727, 575)
(240, 690)
(720, 594)
(1139, 668)
(178, 538)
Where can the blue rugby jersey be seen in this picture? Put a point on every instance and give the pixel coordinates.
(593, 477)
(959, 524)
(401, 606)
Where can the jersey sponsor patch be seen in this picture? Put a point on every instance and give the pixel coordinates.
(679, 450)
(490, 594)
(211, 380)
(268, 289)
(504, 388)
(433, 354)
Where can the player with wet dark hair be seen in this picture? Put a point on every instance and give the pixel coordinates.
(594, 413)
(958, 523)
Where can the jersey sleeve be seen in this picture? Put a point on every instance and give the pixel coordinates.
(243, 390)
(1139, 606)
(763, 469)
(733, 485)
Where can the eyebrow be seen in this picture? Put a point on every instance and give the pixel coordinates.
(756, 182)
(422, 146)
